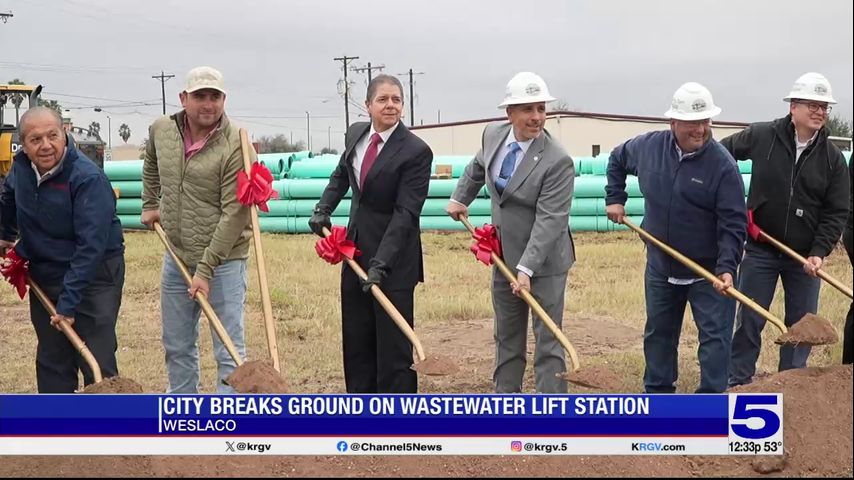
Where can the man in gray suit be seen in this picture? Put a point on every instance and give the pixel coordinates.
(530, 179)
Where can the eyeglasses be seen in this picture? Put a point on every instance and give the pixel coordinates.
(815, 107)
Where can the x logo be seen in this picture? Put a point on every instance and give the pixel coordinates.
(229, 446)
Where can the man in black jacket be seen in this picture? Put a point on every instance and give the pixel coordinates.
(799, 195)
(388, 170)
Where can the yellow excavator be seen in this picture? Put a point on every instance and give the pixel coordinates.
(14, 101)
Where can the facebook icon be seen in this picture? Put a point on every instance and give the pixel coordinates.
(342, 446)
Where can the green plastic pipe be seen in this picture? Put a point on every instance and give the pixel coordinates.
(123, 169)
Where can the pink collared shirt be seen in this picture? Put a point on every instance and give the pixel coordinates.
(191, 148)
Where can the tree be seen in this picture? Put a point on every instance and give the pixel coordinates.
(124, 132)
(279, 144)
(838, 126)
(17, 99)
(52, 104)
(326, 150)
(142, 146)
(95, 129)
(560, 105)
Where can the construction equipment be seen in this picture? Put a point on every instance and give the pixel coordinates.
(13, 99)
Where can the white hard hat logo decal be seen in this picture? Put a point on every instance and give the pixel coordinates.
(698, 105)
(532, 89)
(820, 90)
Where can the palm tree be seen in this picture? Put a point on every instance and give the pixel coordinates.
(17, 99)
(124, 132)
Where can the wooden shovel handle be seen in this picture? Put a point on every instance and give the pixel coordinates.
(266, 304)
(68, 330)
(213, 319)
(388, 307)
(696, 268)
(821, 273)
(535, 306)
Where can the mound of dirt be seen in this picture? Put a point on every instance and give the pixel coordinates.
(114, 385)
(817, 432)
(810, 330)
(257, 376)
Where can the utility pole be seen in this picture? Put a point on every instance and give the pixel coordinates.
(369, 69)
(308, 128)
(329, 137)
(344, 60)
(163, 77)
(6, 16)
(411, 95)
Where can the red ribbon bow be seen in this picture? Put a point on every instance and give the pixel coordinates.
(485, 243)
(753, 229)
(15, 270)
(335, 247)
(257, 187)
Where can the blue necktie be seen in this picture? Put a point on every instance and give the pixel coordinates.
(507, 167)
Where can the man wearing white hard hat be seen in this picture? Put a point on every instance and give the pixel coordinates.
(799, 196)
(530, 179)
(694, 202)
(190, 186)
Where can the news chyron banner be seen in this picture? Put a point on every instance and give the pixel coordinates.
(725, 424)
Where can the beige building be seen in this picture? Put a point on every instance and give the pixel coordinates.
(582, 134)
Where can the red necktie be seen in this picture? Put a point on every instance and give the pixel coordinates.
(370, 158)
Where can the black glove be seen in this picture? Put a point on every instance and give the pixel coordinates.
(376, 274)
(320, 218)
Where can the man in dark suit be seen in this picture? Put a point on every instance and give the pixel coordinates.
(388, 170)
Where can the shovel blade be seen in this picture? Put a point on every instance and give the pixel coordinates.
(809, 330)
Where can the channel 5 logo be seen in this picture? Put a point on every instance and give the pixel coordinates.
(516, 446)
(756, 416)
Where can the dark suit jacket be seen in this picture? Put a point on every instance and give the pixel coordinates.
(384, 216)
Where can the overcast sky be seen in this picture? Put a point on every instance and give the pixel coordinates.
(621, 57)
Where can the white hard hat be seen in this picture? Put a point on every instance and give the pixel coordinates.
(692, 101)
(526, 87)
(811, 86)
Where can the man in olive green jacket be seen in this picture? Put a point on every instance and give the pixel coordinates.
(190, 186)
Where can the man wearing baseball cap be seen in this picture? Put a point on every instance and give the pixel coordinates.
(799, 196)
(694, 202)
(530, 178)
(190, 186)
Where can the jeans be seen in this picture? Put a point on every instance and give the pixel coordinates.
(180, 316)
(758, 280)
(665, 308)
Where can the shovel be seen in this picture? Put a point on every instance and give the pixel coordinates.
(547, 320)
(809, 330)
(821, 273)
(110, 385)
(262, 265)
(435, 365)
(249, 377)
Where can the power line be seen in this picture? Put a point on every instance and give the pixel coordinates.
(412, 95)
(163, 77)
(369, 69)
(344, 60)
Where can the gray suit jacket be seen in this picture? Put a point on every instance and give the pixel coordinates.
(532, 215)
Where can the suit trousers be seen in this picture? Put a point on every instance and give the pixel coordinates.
(57, 361)
(511, 335)
(377, 355)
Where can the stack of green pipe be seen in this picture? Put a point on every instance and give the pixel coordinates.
(297, 196)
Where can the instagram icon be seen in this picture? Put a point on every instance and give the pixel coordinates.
(516, 446)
